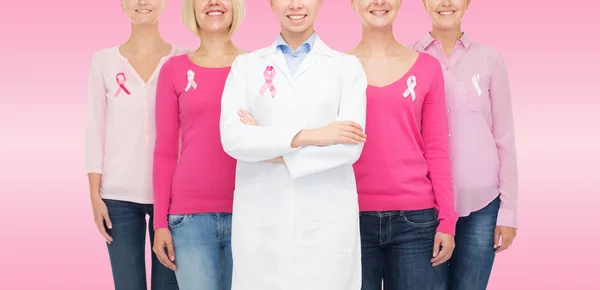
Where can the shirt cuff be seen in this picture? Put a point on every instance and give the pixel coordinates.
(507, 218)
(447, 227)
(161, 223)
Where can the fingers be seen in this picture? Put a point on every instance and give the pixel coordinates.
(354, 125)
(506, 242)
(437, 243)
(171, 252)
(107, 220)
(443, 256)
(159, 250)
(496, 238)
(246, 117)
(350, 138)
(446, 242)
(102, 229)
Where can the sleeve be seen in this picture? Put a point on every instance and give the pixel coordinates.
(436, 152)
(166, 148)
(313, 159)
(244, 142)
(504, 135)
(96, 120)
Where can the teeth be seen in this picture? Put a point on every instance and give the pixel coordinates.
(215, 13)
(143, 10)
(447, 12)
(379, 12)
(296, 17)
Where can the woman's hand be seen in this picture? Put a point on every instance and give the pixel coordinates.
(339, 132)
(162, 240)
(247, 119)
(446, 242)
(101, 217)
(503, 238)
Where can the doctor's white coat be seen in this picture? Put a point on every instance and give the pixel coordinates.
(295, 225)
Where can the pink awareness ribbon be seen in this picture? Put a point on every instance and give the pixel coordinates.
(269, 76)
(121, 81)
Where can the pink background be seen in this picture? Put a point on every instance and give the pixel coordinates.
(48, 238)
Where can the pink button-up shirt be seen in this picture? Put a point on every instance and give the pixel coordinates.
(480, 119)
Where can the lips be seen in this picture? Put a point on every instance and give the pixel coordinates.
(143, 11)
(215, 13)
(446, 13)
(379, 12)
(297, 16)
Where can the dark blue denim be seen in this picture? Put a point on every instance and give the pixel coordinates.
(471, 263)
(397, 248)
(128, 250)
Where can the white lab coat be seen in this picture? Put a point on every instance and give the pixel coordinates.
(295, 225)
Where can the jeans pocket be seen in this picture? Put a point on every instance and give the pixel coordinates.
(177, 220)
(421, 218)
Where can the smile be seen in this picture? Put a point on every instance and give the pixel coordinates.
(215, 13)
(143, 11)
(297, 16)
(379, 12)
(446, 13)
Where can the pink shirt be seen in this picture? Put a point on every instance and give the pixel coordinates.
(405, 162)
(119, 138)
(482, 142)
(188, 100)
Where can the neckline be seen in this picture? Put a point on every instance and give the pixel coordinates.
(407, 73)
(189, 60)
(154, 72)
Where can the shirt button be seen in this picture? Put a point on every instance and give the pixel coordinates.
(449, 135)
(450, 157)
(448, 110)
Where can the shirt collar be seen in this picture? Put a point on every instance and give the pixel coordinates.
(463, 40)
(306, 46)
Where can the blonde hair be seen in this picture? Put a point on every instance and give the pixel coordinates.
(188, 15)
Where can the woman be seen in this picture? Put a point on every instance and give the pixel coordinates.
(194, 179)
(295, 211)
(403, 175)
(482, 143)
(120, 141)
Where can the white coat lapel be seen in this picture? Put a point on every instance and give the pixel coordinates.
(319, 49)
(274, 56)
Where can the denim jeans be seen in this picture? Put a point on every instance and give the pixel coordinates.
(128, 250)
(202, 245)
(397, 248)
(471, 263)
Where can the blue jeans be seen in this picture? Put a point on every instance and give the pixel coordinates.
(128, 250)
(471, 263)
(397, 248)
(202, 245)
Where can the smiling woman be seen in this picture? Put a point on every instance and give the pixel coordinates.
(194, 193)
(484, 161)
(122, 86)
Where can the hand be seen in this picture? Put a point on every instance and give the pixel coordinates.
(506, 235)
(247, 118)
(446, 242)
(347, 132)
(162, 240)
(101, 217)
(276, 160)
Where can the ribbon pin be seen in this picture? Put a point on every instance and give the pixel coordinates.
(411, 82)
(269, 76)
(476, 84)
(191, 82)
(121, 81)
